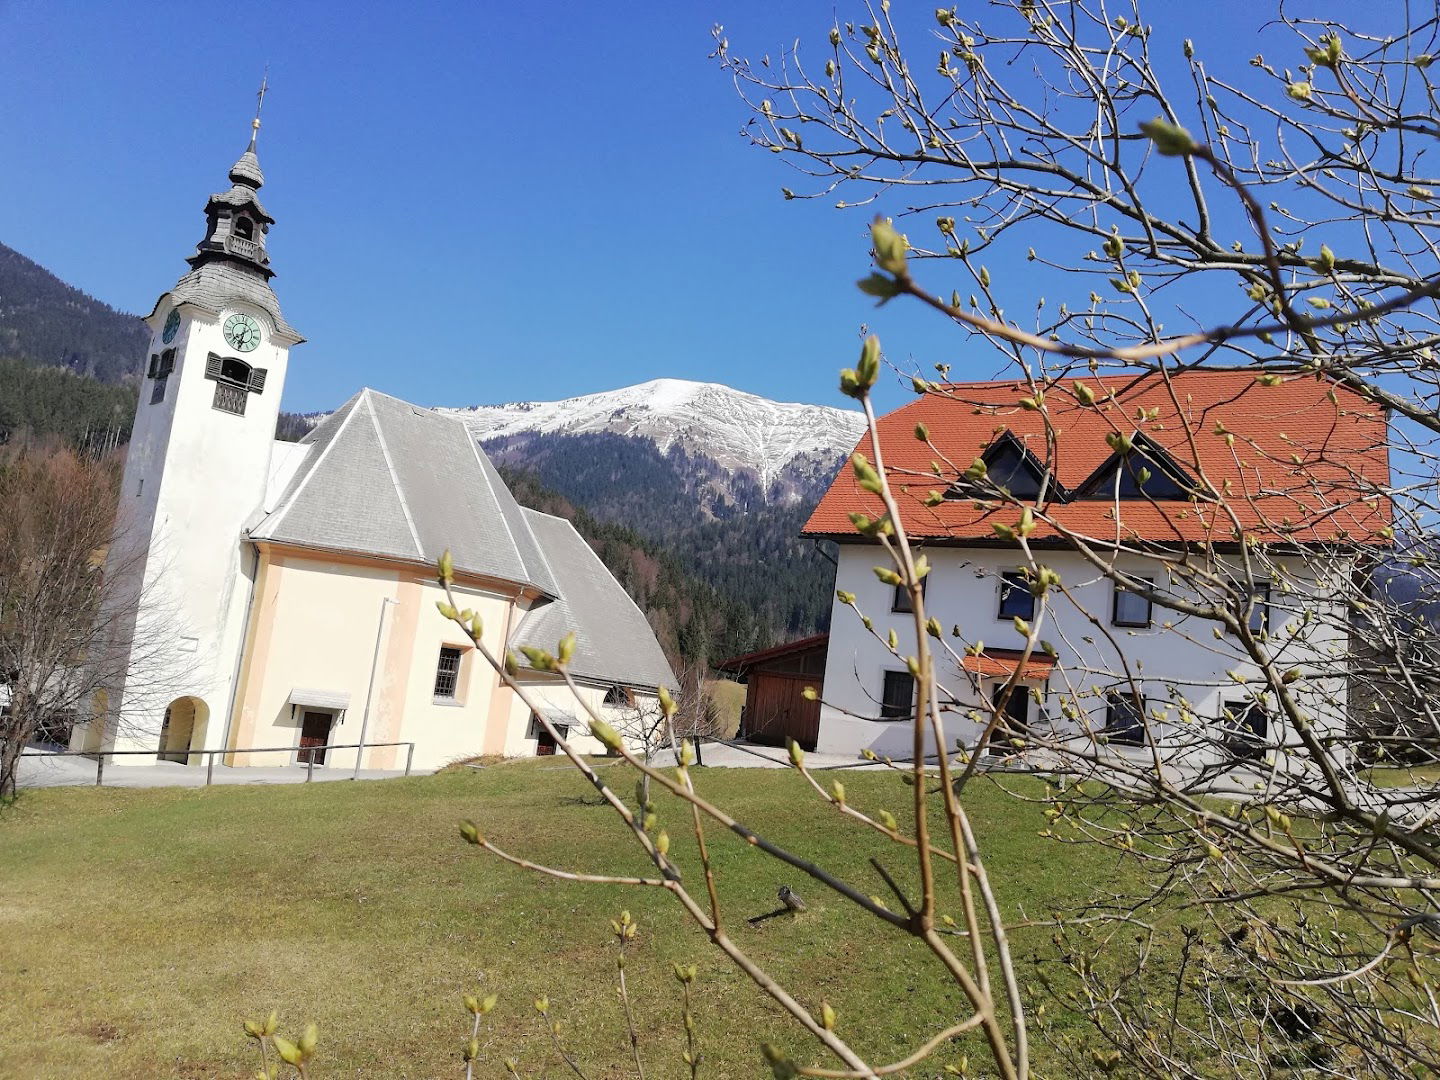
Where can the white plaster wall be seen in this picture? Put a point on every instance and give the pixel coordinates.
(317, 630)
(1183, 658)
(557, 695)
(193, 477)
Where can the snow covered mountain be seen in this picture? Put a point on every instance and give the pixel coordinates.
(786, 448)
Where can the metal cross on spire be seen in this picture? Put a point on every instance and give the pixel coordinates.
(259, 105)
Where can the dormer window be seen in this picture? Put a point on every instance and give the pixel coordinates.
(1146, 471)
(1010, 465)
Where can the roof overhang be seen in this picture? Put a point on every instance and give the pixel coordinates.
(319, 699)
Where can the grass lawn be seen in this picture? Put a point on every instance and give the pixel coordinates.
(138, 928)
(1420, 776)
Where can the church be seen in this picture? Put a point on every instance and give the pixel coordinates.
(277, 600)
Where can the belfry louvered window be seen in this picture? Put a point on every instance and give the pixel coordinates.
(161, 365)
(235, 381)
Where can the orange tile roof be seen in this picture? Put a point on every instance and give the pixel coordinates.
(1001, 663)
(1332, 494)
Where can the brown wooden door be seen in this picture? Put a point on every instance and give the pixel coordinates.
(776, 709)
(314, 731)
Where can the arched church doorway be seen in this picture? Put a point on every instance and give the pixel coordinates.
(183, 729)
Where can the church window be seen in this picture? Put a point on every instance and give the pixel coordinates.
(447, 673)
(235, 380)
(244, 228)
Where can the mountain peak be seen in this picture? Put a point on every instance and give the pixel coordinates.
(739, 430)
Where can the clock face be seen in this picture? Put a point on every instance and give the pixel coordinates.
(242, 332)
(172, 324)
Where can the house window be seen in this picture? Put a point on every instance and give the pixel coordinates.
(1260, 608)
(901, 600)
(1015, 597)
(1130, 608)
(618, 697)
(447, 673)
(157, 392)
(1246, 726)
(1125, 718)
(897, 696)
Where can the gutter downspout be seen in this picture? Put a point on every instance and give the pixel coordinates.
(240, 653)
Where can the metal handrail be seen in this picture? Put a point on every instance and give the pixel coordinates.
(101, 755)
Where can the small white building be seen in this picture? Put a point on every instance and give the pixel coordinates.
(1310, 526)
(283, 595)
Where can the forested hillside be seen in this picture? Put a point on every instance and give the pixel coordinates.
(694, 619)
(48, 322)
(772, 584)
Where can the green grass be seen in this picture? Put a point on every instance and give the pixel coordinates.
(1404, 776)
(138, 928)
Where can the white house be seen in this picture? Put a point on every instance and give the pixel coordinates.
(1305, 463)
(283, 594)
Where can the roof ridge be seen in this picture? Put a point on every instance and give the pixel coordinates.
(485, 475)
(365, 393)
(278, 514)
(620, 588)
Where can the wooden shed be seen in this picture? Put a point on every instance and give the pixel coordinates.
(775, 680)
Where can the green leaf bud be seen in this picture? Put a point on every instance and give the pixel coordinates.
(606, 735)
(446, 568)
(1171, 140)
(1326, 262)
(886, 575)
(922, 433)
(810, 693)
(888, 820)
(879, 286)
(662, 843)
(797, 755)
(827, 1016)
(447, 610)
(539, 659)
(839, 790)
(667, 703)
(1300, 91)
(512, 664)
(566, 649)
(470, 832)
(933, 627)
(288, 1051)
(889, 245)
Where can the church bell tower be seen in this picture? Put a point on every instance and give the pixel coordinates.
(195, 478)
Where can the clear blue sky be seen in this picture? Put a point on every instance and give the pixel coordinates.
(476, 202)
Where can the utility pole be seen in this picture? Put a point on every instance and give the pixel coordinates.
(370, 692)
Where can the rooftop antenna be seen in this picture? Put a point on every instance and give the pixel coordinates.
(259, 104)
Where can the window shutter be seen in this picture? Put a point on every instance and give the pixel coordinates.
(212, 366)
(167, 363)
(154, 365)
(257, 380)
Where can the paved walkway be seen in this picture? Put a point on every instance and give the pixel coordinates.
(38, 772)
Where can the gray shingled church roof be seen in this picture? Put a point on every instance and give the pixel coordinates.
(385, 477)
(613, 639)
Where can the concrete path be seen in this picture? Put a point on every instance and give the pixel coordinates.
(38, 772)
